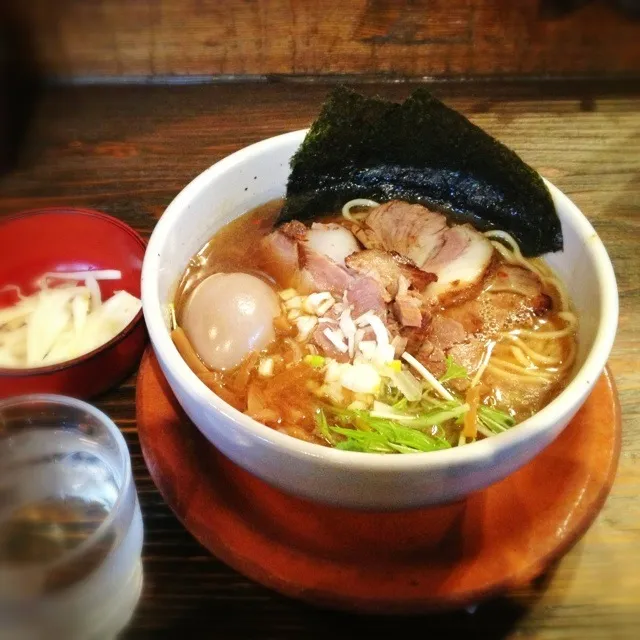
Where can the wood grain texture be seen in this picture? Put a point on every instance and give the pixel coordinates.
(129, 150)
(417, 561)
(76, 38)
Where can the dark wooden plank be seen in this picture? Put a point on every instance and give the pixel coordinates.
(387, 37)
(129, 150)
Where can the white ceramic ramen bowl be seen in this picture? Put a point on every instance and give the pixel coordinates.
(257, 174)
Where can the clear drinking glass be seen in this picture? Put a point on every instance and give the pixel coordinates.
(70, 524)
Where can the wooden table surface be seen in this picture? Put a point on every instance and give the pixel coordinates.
(129, 150)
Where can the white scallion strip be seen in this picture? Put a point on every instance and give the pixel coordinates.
(382, 410)
(398, 417)
(427, 375)
(371, 319)
(57, 323)
(348, 328)
(363, 320)
(79, 310)
(94, 288)
(483, 364)
(337, 340)
(408, 385)
(98, 274)
(384, 352)
(385, 411)
(45, 324)
(18, 312)
(111, 318)
(384, 355)
(382, 336)
(13, 287)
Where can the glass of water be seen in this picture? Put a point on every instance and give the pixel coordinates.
(70, 524)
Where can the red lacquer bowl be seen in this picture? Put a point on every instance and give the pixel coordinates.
(66, 239)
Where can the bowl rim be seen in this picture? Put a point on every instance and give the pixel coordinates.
(6, 372)
(566, 402)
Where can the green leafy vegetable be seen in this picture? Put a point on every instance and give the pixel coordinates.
(386, 436)
(419, 151)
(421, 425)
(323, 426)
(453, 371)
(358, 430)
(423, 420)
(495, 420)
(439, 417)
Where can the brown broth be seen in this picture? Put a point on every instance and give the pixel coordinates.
(286, 401)
(232, 248)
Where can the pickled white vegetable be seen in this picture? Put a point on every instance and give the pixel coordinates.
(63, 321)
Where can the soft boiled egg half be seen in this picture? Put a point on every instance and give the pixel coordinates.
(229, 315)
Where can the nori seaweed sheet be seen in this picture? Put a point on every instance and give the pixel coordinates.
(419, 151)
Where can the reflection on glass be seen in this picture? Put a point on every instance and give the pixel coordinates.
(70, 523)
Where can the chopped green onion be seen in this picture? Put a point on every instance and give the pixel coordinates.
(315, 361)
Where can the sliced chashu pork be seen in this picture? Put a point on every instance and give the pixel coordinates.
(410, 229)
(509, 295)
(401, 280)
(301, 258)
(332, 240)
(458, 255)
(388, 267)
(297, 258)
(460, 263)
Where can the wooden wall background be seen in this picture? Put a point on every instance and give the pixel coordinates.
(86, 38)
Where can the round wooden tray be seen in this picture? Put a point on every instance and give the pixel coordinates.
(407, 562)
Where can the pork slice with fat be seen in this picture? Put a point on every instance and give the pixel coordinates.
(387, 267)
(460, 264)
(410, 229)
